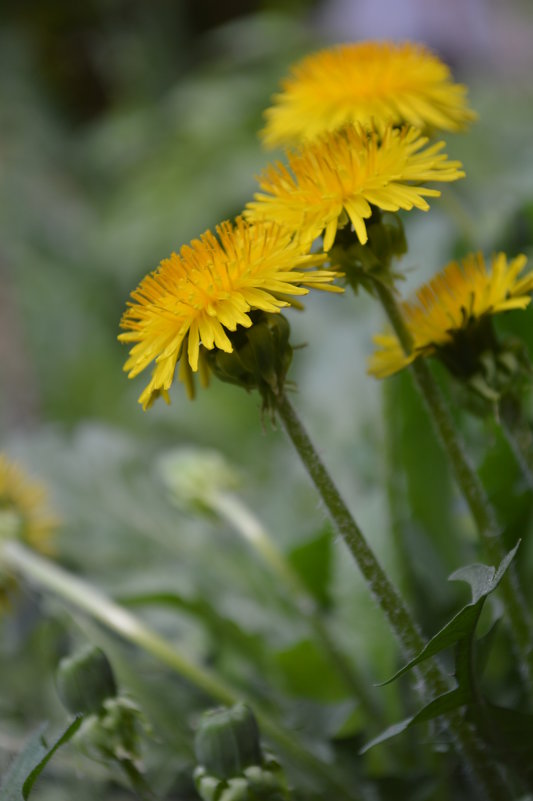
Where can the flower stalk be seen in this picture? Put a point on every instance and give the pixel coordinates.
(483, 773)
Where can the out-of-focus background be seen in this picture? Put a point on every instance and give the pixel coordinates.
(126, 129)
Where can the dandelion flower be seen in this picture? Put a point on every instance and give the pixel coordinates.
(346, 173)
(24, 516)
(457, 298)
(369, 83)
(193, 298)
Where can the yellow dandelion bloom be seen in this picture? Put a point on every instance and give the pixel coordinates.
(348, 172)
(23, 508)
(189, 302)
(463, 293)
(369, 83)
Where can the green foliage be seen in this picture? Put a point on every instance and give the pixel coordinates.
(148, 138)
(459, 632)
(313, 562)
(29, 764)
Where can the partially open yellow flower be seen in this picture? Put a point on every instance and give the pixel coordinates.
(193, 298)
(345, 174)
(458, 297)
(370, 83)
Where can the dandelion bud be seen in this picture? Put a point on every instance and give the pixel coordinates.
(228, 741)
(192, 475)
(260, 358)
(85, 680)
(232, 766)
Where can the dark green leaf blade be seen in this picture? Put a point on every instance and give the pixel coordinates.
(483, 580)
(69, 732)
(447, 702)
(458, 627)
(30, 763)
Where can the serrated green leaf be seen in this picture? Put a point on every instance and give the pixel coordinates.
(388, 734)
(483, 580)
(441, 705)
(458, 627)
(30, 763)
(480, 577)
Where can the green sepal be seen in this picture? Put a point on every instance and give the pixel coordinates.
(113, 733)
(260, 358)
(256, 783)
(488, 368)
(85, 680)
(363, 265)
(209, 787)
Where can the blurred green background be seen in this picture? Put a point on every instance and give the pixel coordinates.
(126, 129)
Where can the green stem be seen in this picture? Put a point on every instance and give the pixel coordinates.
(230, 507)
(469, 483)
(81, 594)
(380, 586)
(483, 773)
(139, 784)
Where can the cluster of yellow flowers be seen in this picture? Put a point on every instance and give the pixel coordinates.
(356, 119)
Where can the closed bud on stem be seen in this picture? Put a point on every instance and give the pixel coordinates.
(227, 741)
(85, 680)
(260, 358)
(194, 475)
(363, 265)
(231, 764)
(489, 368)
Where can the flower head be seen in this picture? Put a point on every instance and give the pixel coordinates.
(24, 516)
(186, 306)
(344, 174)
(460, 296)
(370, 83)
(23, 508)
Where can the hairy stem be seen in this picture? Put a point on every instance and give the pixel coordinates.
(470, 485)
(482, 772)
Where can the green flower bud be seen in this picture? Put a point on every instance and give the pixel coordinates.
(227, 741)
(85, 680)
(232, 766)
(260, 358)
(192, 475)
(364, 264)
